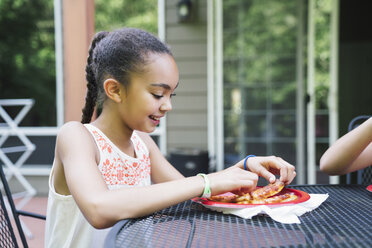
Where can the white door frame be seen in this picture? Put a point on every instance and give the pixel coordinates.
(215, 85)
(333, 87)
(312, 165)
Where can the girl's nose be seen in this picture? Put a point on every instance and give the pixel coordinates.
(166, 105)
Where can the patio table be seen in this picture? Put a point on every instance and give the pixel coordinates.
(343, 220)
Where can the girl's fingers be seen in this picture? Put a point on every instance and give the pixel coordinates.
(288, 173)
(283, 174)
(248, 181)
(248, 176)
(267, 175)
(245, 187)
(293, 176)
(260, 170)
(266, 166)
(232, 179)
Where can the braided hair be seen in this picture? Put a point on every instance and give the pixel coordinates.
(116, 55)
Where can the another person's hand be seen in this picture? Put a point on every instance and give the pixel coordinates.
(270, 166)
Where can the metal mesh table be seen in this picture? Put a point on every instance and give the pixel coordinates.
(343, 220)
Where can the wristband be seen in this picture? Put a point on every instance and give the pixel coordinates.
(207, 189)
(245, 161)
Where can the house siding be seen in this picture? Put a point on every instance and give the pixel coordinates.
(187, 123)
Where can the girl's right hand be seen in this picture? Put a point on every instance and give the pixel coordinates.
(232, 179)
(238, 180)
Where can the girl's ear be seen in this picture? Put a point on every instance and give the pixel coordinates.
(113, 89)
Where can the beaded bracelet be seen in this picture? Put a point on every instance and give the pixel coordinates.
(245, 161)
(207, 189)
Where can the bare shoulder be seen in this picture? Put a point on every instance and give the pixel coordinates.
(72, 129)
(74, 134)
(71, 126)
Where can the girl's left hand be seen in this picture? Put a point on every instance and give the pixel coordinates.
(270, 166)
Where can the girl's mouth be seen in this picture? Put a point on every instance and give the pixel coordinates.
(154, 118)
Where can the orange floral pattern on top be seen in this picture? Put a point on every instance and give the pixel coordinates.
(118, 168)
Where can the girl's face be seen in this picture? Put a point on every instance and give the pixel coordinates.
(149, 93)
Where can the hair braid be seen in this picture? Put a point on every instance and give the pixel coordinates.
(92, 93)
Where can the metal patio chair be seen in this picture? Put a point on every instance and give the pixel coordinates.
(363, 176)
(7, 234)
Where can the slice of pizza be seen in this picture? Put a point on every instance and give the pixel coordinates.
(243, 198)
(291, 197)
(264, 195)
(224, 198)
(268, 190)
(281, 198)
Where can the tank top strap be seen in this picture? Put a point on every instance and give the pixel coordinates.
(139, 146)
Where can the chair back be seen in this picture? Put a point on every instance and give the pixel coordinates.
(7, 235)
(363, 176)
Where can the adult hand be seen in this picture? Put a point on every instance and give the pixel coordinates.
(270, 166)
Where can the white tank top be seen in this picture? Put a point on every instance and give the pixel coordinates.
(65, 224)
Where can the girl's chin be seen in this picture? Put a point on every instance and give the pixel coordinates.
(147, 129)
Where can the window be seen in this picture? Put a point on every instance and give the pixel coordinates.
(27, 61)
(260, 42)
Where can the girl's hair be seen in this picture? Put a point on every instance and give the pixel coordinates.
(116, 55)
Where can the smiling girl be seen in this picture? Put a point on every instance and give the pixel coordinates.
(111, 169)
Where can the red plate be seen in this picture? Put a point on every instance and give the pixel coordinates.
(369, 188)
(302, 197)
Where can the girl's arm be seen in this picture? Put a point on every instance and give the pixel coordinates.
(351, 152)
(76, 151)
(102, 207)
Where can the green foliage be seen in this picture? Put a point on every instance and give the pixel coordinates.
(322, 51)
(113, 14)
(27, 67)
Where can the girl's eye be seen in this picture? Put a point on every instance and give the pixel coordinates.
(173, 94)
(157, 96)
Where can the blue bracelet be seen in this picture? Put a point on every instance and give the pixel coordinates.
(245, 160)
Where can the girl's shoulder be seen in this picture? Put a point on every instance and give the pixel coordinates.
(74, 138)
(73, 130)
(71, 126)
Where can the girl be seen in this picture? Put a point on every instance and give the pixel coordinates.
(351, 152)
(111, 169)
